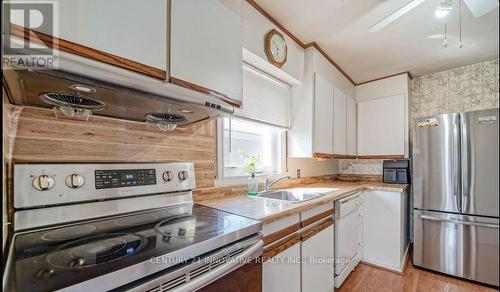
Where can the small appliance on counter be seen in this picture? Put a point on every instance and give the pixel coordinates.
(396, 171)
(133, 227)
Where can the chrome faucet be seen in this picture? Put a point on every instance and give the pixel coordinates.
(268, 185)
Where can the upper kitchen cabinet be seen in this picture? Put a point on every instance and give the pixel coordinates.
(123, 33)
(319, 110)
(383, 118)
(339, 123)
(351, 127)
(323, 115)
(205, 50)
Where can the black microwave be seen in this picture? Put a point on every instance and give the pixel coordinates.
(396, 171)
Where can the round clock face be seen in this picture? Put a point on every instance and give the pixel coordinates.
(278, 48)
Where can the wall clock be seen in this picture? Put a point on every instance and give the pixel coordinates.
(276, 48)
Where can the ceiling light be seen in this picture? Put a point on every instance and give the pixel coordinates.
(440, 13)
(443, 9)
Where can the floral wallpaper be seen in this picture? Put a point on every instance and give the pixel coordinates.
(467, 88)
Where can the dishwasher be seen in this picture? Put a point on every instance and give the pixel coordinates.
(348, 236)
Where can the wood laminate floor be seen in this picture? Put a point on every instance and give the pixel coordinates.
(371, 279)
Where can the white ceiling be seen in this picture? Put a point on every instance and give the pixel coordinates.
(411, 43)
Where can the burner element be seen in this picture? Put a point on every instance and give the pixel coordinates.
(71, 232)
(96, 250)
(136, 220)
(192, 226)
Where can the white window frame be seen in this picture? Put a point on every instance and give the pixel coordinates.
(220, 180)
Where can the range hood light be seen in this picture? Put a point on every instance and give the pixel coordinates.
(82, 88)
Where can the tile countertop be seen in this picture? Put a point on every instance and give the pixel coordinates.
(271, 210)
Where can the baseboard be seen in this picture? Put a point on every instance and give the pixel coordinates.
(397, 270)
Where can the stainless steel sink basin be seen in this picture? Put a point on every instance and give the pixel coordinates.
(288, 196)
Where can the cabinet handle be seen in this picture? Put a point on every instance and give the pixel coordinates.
(316, 229)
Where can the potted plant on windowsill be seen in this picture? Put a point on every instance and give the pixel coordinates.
(251, 165)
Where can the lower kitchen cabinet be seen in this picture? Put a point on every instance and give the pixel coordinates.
(385, 229)
(282, 271)
(318, 265)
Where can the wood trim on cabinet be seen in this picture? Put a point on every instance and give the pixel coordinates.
(315, 45)
(271, 19)
(316, 229)
(318, 155)
(380, 157)
(204, 90)
(279, 248)
(281, 233)
(297, 40)
(388, 76)
(317, 217)
(87, 52)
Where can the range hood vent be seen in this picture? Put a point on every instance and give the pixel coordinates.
(165, 121)
(81, 87)
(73, 101)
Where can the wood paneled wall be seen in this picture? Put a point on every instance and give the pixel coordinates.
(38, 136)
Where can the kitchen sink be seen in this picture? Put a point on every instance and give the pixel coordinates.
(289, 196)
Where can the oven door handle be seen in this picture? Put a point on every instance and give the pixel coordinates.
(252, 251)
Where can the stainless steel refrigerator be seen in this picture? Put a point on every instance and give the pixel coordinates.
(455, 184)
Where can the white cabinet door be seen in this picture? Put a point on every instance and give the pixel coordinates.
(125, 28)
(339, 122)
(323, 115)
(351, 135)
(381, 126)
(205, 48)
(282, 272)
(383, 240)
(318, 276)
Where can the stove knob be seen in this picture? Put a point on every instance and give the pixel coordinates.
(167, 175)
(45, 273)
(183, 175)
(43, 182)
(75, 181)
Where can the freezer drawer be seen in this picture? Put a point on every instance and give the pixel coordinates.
(463, 246)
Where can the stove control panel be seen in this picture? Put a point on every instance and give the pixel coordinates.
(54, 184)
(116, 178)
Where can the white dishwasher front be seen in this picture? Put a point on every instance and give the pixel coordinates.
(348, 236)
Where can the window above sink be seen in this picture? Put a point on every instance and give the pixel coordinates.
(239, 139)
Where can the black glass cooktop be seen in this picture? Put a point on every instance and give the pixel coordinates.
(56, 258)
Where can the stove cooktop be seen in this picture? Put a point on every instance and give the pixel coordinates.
(56, 258)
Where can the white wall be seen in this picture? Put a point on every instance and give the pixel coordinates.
(312, 167)
(255, 27)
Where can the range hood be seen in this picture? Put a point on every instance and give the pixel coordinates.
(81, 86)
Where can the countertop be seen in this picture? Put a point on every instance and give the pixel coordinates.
(268, 211)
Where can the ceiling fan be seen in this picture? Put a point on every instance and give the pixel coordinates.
(477, 7)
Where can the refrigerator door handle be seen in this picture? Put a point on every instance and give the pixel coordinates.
(465, 161)
(470, 223)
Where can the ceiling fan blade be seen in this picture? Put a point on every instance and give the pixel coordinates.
(397, 14)
(481, 7)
